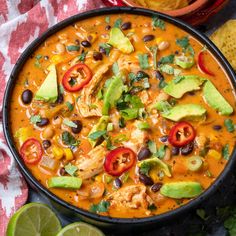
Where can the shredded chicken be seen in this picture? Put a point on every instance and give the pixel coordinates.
(88, 104)
(91, 165)
(133, 196)
(128, 63)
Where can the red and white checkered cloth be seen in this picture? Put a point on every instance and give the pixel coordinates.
(21, 21)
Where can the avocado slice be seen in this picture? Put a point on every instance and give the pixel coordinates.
(215, 100)
(100, 126)
(120, 41)
(180, 190)
(48, 91)
(185, 111)
(184, 61)
(65, 182)
(183, 84)
(154, 162)
(112, 93)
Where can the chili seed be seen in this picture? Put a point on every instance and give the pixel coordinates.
(78, 128)
(62, 171)
(187, 149)
(97, 56)
(144, 153)
(175, 151)
(164, 138)
(148, 37)
(43, 122)
(126, 26)
(145, 179)
(117, 183)
(86, 44)
(217, 127)
(27, 96)
(108, 27)
(156, 187)
(46, 144)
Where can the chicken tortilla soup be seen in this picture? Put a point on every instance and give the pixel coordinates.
(123, 115)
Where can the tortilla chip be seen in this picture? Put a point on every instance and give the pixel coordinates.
(164, 5)
(225, 39)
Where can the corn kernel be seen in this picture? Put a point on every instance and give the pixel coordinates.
(68, 154)
(57, 152)
(56, 59)
(98, 178)
(213, 153)
(158, 40)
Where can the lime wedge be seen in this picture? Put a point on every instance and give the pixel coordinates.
(80, 229)
(34, 219)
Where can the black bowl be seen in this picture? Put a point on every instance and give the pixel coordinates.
(72, 211)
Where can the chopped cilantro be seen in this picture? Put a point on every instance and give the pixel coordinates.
(152, 207)
(145, 167)
(69, 139)
(61, 89)
(229, 125)
(177, 79)
(152, 146)
(167, 69)
(72, 48)
(107, 47)
(162, 84)
(70, 106)
(38, 57)
(163, 106)
(107, 19)
(115, 68)
(157, 22)
(183, 42)
(82, 56)
(225, 152)
(102, 206)
(71, 169)
(97, 134)
(129, 113)
(35, 119)
(167, 59)
(143, 61)
(118, 23)
(161, 151)
(69, 123)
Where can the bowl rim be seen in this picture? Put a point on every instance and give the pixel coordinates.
(167, 216)
(197, 5)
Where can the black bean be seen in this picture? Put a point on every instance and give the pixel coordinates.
(86, 44)
(156, 187)
(79, 127)
(148, 37)
(176, 52)
(175, 151)
(145, 179)
(164, 138)
(141, 74)
(27, 96)
(126, 25)
(117, 183)
(42, 122)
(60, 99)
(217, 127)
(187, 149)
(159, 76)
(62, 171)
(97, 56)
(46, 144)
(102, 50)
(108, 27)
(144, 153)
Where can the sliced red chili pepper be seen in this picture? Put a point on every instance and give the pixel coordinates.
(76, 77)
(202, 66)
(31, 151)
(181, 134)
(119, 160)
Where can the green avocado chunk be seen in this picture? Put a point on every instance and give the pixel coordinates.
(184, 61)
(180, 190)
(183, 84)
(112, 93)
(65, 182)
(215, 100)
(48, 91)
(100, 126)
(120, 41)
(185, 111)
(152, 163)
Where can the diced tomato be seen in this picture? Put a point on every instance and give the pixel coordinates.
(202, 66)
(31, 151)
(181, 134)
(119, 160)
(76, 77)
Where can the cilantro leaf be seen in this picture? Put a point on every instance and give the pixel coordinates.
(167, 59)
(105, 47)
(97, 134)
(70, 106)
(115, 68)
(229, 125)
(35, 119)
(144, 168)
(82, 56)
(100, 207)
(117, 23)
(143, 61)
(71, 169)
(72, 48)
(107, 19)
(69, 123)
(69, 139)
(183, 42)
(152, 146)
(225, 152)
(161, 151)
(157, 22)
(162, 84)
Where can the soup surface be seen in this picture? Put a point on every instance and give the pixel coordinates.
(123, 115)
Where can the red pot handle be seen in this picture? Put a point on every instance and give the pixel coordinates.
(111, 3)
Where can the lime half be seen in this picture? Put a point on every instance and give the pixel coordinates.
(34, 219)
(80, 229)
